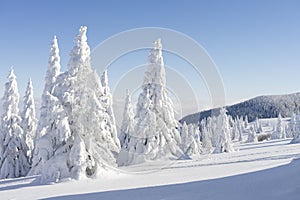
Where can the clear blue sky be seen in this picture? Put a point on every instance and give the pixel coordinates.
(255, 43)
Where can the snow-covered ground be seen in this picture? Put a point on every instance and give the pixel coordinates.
(265, 170)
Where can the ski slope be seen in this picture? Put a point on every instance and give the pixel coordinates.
(264, 170)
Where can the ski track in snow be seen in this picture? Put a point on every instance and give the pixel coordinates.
(265, 170)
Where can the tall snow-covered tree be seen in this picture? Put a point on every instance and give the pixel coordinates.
(107, 102)
(29, 121)
(54, 67)
(224, 143)
(156, 131)
(190, 138)
(128, 122)
(206, 137)
(53, 71)
(296, 129)
(235, 131)
(13, 148)
(184, 137)
(212, 128)
(258, 126)
(246, 123)
(293, 126)
(56, 137)
(241, 128)
(279, 132)
(195, 147)
(252, 137)
(91, 143)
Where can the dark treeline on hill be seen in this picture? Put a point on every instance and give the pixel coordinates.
(260, 107)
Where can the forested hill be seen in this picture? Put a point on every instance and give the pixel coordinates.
(262, 107)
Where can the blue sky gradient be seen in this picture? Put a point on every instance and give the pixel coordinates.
(255, 44)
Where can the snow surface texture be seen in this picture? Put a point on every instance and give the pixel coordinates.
(263, 170)
(78, 137)
(156, 132)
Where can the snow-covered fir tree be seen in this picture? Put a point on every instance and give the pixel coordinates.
(89, 114)
(190, 138)
(235, 131)
(184, 137)
(241, 128)
(90, 144)
(211, 126)
(106, 102)
(224, 143)
(156, 132)
(206, 137)
(295, 128)
(279, 132)
(53, 70)
(54, 141)
(51, 112)
(13, 148)
(252, 137)
(29, 121)
(54, 67)
(128, 122)
(246, 122)
(194, 140)
(258, 126)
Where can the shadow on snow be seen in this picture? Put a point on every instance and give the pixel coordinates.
(265, 184)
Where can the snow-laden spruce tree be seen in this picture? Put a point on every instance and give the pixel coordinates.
(296, 129)
(258, 126)
(53, 71)
(279, 132)
(235, 131)
(184, 137)
(29, 121)
(206, 137)
(54, 141)
(190, 139)
(13, 148)
(224, 143)
(293, 127)
(128, 122)
(194, 136)
(212, 128)
(90, 144)
(246, 122)
(156, 132)
(252, 137)
(238, 129)
(241, 128)
(107, 101)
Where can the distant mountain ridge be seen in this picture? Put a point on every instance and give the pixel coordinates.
(268, 106)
